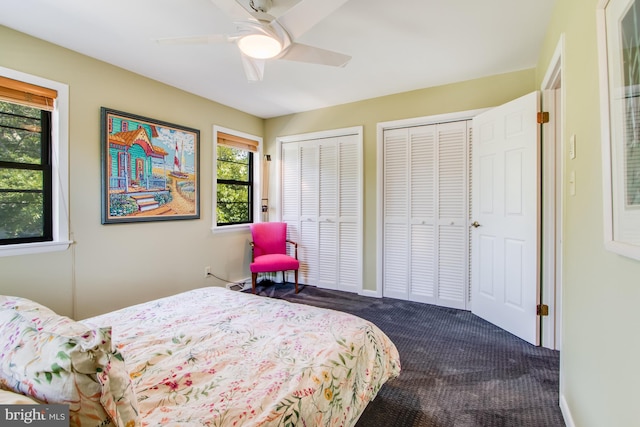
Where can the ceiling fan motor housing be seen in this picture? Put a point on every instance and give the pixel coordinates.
(260, 5)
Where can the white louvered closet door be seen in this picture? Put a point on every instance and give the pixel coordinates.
(453, 208)
(349, 197)
(308, 221)
(396, 263)
(423, 286)
(323, 178)
(425, 246)
(327, 213)
(291, 192)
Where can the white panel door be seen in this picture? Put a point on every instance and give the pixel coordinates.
(506, 193)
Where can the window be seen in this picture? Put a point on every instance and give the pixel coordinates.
(33, 164)
(25, 174)
(236, 179)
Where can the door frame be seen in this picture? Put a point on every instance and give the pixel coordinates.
(552, 265)
(381, 128)
(553, 173)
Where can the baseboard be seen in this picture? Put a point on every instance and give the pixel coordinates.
(368, 293)
(566, 412)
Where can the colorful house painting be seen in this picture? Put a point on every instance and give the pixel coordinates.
(146, 170)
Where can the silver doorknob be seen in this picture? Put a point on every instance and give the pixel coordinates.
(475, 224)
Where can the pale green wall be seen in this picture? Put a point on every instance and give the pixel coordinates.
(601, 290)
(469, 95)
(112, 266)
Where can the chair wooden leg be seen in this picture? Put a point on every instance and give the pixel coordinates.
(295, 273)
(284, 277)
(254, 279)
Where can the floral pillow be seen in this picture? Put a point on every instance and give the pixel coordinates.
(10, 398)
(54, 359)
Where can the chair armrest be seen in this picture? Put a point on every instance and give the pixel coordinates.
(295, 245)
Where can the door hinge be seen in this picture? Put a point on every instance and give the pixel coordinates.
(543, 117)
(542, 310)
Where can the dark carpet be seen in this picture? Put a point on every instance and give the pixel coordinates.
(457, 369)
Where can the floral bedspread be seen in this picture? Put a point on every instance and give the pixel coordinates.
(214, 357)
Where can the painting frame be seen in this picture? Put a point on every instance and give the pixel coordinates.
(150, 169)
(618, 23)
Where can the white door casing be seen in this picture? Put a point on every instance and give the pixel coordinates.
(505, 204)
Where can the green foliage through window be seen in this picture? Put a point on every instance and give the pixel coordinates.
(235, 186)
(25, 174)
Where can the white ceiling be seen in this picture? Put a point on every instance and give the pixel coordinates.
(396, 46)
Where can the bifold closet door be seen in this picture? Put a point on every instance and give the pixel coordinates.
(425, 190)
(321, 203)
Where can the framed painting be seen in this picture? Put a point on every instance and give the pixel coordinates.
(150, 169)
(619, 49)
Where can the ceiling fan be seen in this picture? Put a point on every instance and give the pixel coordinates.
(261, 37)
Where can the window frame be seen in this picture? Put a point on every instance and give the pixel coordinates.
(59, 152)
(45, 168)
(256, 183)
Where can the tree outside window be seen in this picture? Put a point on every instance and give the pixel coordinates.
(25, 174)
(234, 186)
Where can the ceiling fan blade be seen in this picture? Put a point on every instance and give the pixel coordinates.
(307, 13)
(233, 9)
(209, 39)
(314, 55)
(253, 68)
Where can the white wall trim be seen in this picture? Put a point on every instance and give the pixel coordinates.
(554, 71)
(429, 120)
(611, 241)
(553, 173)
(331, 133)
(257, 178)
(370, 293)
(60, 168)
(396, 124)
(566, 412)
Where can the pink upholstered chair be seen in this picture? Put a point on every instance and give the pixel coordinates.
(269, 251)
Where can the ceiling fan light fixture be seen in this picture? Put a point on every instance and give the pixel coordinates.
(260, 46)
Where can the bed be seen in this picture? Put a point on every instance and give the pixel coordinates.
(214, 357)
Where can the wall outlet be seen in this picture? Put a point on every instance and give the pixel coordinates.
(207, 271)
